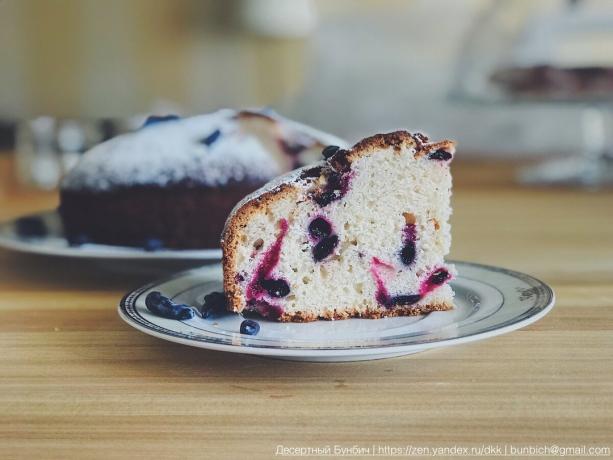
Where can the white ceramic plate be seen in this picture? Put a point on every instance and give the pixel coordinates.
(54, 243)
(489, 301)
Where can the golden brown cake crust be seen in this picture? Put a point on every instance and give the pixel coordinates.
(331, 315)
(231, 237)
(396, 139)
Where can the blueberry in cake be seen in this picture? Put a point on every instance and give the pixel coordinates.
(361, 234)
(172, 183)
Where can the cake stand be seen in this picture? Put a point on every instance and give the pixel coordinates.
(524, 34)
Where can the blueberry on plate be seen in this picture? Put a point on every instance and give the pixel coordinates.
(183, 311)
(215, 304)
(153, 244)
(162, 306)
(30, 227)
(78, 240)
(250, 327)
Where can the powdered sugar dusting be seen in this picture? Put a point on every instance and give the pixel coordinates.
(174, 151)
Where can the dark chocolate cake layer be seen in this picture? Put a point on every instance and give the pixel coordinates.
(152, 217)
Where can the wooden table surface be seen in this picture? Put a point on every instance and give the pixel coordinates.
(76, 382)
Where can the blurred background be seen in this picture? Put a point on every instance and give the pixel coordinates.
(73, 72)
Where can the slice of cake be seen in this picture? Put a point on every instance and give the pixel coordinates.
(362, 234)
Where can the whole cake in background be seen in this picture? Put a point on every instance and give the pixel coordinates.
(362, 234)
(546, 81)
(172, 183)
(563, 51)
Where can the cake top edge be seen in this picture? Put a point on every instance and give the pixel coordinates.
(210, 149)
(341, 160)
(397, 140)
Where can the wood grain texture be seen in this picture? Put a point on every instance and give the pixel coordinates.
(76, 382)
